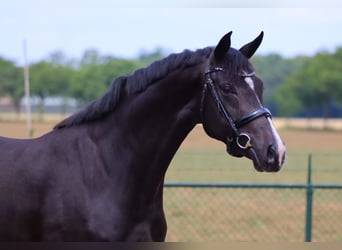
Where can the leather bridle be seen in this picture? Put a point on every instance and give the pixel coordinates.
(242, 140)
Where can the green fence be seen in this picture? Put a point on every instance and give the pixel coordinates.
(253, 212)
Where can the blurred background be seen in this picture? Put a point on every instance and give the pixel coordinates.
(74, 50)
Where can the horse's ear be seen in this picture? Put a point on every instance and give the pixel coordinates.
(249, 49)
(223, 46)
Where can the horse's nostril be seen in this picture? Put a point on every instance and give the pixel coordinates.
(272, 155)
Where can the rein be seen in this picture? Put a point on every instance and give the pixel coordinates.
(242, 140)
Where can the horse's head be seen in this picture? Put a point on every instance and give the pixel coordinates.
(232, 107)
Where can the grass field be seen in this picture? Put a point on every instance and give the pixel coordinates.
(201, 158)
(237, 214)
(245, 214)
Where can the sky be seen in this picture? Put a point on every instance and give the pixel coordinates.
(117, 29)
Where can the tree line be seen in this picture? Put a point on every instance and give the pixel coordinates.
(304, 86)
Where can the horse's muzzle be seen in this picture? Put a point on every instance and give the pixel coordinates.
(270, 161)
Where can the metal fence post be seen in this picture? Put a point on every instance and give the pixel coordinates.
(309, 198)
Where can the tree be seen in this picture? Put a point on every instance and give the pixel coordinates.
(273, 69)
(11, 82)
(315, 85)
(59, 59)
(146, 57)
(96, 73)
(47, 80)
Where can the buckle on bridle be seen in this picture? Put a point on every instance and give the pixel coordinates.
(243, 141)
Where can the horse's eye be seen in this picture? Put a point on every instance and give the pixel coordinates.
(228, 88)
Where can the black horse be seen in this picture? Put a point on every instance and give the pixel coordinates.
(98, 176)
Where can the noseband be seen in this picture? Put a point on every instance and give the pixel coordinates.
(242, 140)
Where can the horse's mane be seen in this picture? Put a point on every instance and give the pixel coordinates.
(136, 82)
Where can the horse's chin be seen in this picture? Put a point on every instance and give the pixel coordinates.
(251, 154)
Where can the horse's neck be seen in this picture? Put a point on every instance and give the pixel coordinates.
(162, 116)
(150, 127)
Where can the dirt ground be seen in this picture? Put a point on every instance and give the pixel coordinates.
(294, 139)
